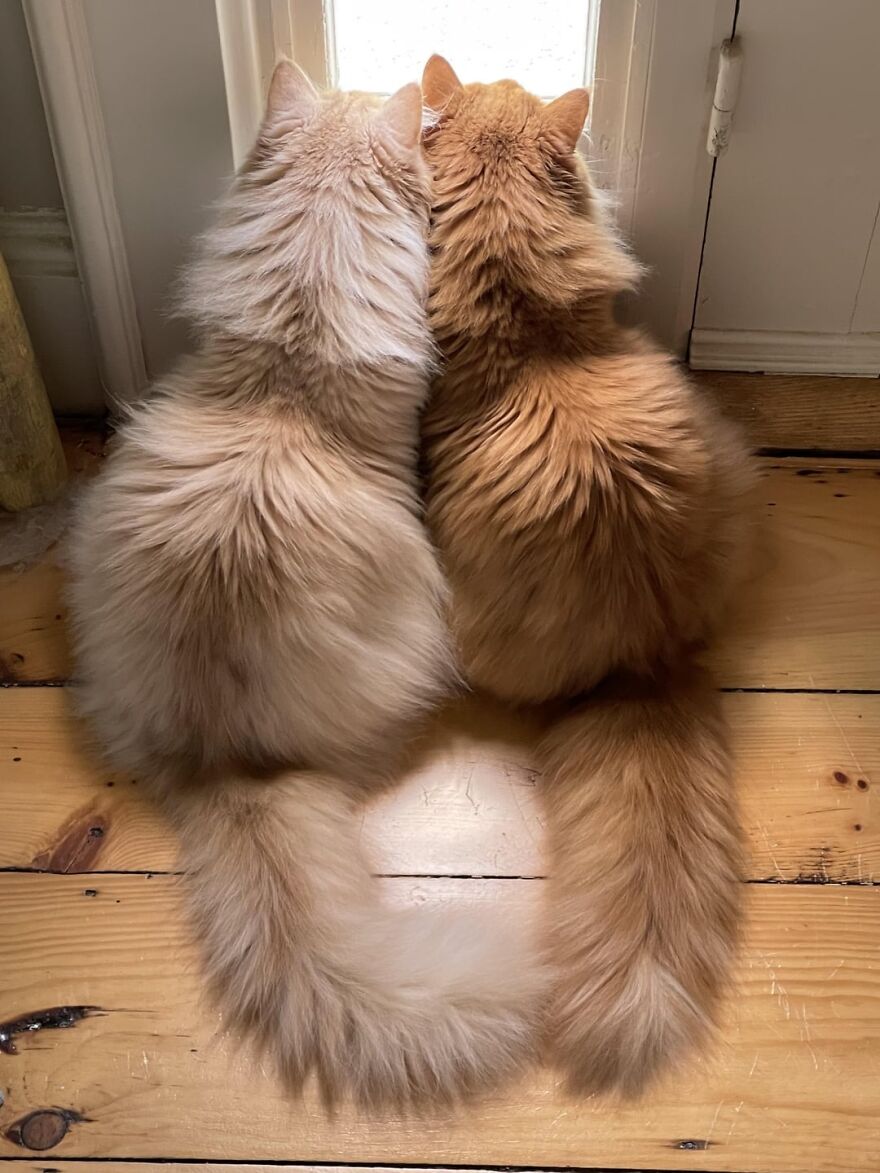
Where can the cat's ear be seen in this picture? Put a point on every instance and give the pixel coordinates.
(290, 91)
(401, 116)
(566, 116)
(439, 82)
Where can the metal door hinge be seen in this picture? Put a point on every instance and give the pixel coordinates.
(726, 91)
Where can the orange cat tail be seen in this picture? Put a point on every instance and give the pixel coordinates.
(389, 1008)
(644, 892)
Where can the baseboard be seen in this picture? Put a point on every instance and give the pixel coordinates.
(37, 243)
(781, 352)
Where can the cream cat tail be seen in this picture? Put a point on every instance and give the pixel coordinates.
(643, 897)
(589, 507)
(259, 617)
(413, 1008)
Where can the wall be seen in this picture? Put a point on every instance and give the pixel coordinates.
(34, 237)
(160, 81)
(791, 269)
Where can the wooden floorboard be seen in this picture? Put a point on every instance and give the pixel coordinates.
(33, 640)
(810, 618)
(799, 411)
(105, 1166)
(806, 770)
(33, 643)
(792, 1085)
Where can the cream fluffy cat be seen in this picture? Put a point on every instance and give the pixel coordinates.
(259, 615)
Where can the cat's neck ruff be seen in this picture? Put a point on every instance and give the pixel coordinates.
(336, 278)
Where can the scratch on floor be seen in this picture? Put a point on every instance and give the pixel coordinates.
(714, 1122)
(467, 788)
(733, 1123)
(806, 1031)
(806, 1037)
(525, 815)
(843, 736)
(778, 990)
(770, 850)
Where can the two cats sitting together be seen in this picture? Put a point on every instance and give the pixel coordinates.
(264, 607)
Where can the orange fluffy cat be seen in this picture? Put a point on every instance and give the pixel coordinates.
(588, 505)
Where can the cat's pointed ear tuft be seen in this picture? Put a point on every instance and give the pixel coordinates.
(439, 82)
(401, 116)
(566, 116)
(290, 91)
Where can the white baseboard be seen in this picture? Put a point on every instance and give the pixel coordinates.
(780, 352)
(37, 243)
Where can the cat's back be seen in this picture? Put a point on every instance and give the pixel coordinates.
(563, 431)
(596, 494)
(190, 476)
(238, 578)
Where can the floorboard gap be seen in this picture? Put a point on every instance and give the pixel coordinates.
(822, 453)
(279, 1162)
(817, 881)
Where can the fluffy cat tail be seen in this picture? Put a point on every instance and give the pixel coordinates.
(644, 891)
(390, 1008)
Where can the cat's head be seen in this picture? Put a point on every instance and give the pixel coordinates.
(515, 217)
(319, 245)
(500, 134)
(322, 143)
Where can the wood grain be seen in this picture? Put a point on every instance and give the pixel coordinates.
(33, 642)
(792, 1086)
(469, 806)
(794, 1083)
(799, 411)
(811, 619)
(243, 1167)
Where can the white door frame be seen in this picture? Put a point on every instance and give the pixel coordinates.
(656, 64)
(62, 54)
(254, 34)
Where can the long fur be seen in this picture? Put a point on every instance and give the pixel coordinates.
(644, 899)
(259, 615)
(588, 506)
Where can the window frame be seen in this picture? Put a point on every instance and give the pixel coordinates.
(655, 63)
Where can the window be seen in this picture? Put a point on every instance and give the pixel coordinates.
(650, 63)
(546, 45)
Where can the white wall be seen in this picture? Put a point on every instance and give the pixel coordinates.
(160, 82)
(789, 249)
(27, 177)
(866, 313)
(34, 237)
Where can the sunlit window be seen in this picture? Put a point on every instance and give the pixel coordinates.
(546, 45)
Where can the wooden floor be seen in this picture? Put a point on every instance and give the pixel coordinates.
(142, 1073)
